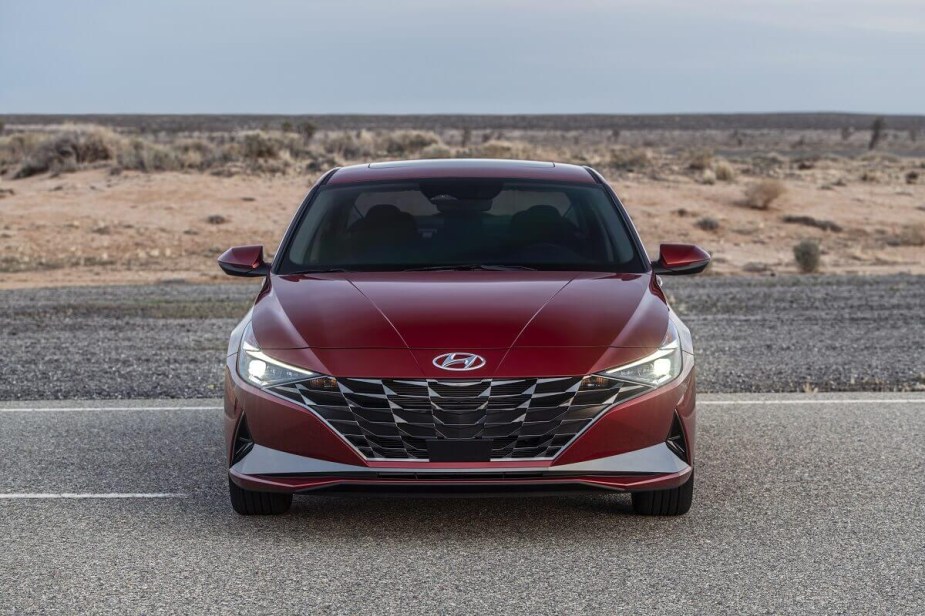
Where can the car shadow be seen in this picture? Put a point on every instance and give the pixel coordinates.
(412, 518)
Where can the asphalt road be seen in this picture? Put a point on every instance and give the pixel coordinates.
(786, 334)
(803, 504)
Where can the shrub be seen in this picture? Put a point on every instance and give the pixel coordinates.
(404, 142)
(307, 130)
(807, 255)
(912, 177)
(700, 160)
(258, 145)
(66, 150)
(876, 132)
(436, 150)
(708, 177)
(143, 155)
(195, 154)
(761, 195)
(724, 171)
(15, 147)
(764, 164)
(504, 149)
(630, 159)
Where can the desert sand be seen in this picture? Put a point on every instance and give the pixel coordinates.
(91, 227)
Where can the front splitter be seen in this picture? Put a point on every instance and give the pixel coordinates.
(654, 467)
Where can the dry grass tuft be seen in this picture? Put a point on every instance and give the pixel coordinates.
(258, 145)
(761, 195)
(409, 142)
(724, 171)
(67, 150)
(630, 159)
(503, 149)
(700, 160)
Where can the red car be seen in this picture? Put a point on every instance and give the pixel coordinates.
(461, 326)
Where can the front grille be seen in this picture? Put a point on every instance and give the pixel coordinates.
(523, 417)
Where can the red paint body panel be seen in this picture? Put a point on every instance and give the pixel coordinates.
(681, 255)
(460, 311)
(249, 257)
(682, 259)
(383, 325)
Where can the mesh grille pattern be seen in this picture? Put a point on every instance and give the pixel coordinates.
(524, 418)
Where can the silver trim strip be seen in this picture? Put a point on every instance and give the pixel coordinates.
(657, 459)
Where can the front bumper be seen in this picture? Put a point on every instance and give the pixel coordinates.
(624, 449)
(273, 470)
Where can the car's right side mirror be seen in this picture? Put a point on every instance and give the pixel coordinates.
(679, 259)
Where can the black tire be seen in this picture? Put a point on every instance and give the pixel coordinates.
(248, 502)
(676, 501)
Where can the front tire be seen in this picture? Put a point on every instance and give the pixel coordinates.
(248, 502)
(675, 501)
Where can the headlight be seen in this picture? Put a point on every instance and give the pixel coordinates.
(261, 369)
(656, 369)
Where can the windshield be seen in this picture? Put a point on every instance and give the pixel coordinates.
(465, 224)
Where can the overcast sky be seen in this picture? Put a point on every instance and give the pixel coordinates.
(479, 56)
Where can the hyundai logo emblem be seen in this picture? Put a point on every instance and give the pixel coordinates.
(459, 361)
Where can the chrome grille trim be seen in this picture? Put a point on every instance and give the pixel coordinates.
(526, 418)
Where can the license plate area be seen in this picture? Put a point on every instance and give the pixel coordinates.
(459, 450)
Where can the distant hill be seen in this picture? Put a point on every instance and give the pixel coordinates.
(712, 121)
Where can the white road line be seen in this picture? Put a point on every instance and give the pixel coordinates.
(74, 495)
(70, 409)
(857, 401)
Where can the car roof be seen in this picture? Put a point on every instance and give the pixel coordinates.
(462, 168)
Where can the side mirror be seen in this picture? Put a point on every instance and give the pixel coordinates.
(678, 259)
(244, 261)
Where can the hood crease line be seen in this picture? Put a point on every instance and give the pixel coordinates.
(387, 320)
(531, 319)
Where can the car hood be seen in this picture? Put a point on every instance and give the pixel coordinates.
(460, 311)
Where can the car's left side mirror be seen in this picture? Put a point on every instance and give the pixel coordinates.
(244, 261)
(678, 259)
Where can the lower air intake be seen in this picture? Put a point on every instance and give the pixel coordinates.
(675, 441)
(243, 442)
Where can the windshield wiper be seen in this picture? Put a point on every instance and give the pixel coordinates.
(473, 266)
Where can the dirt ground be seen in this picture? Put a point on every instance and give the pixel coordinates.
(92, 227)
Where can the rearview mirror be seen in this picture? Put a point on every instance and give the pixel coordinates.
(244, 261)
(678, 259)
